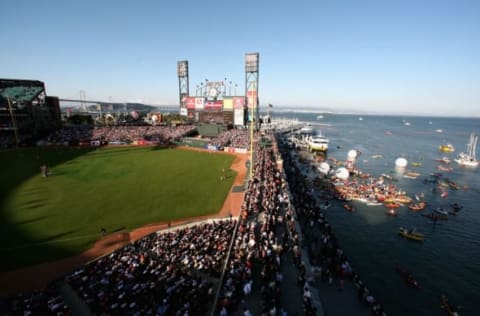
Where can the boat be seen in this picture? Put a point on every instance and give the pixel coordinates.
(443, 168)
(408, 277)
(349, 207)
(377, 156)
(403, 199)
(456, 207)
(447, 148)
(392, 205)
(410, 234)
(411, 175)
(453, 185)
(444, 160)
(319, 117)
(439, 130)
(420, 206)
(440, 210)
(469, 158)
(447, 307)
(317, 142)
(416, 164)
(360, 118)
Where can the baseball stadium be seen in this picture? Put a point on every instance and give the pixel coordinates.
(137, 212)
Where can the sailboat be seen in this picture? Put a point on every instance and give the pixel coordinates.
(469, 159)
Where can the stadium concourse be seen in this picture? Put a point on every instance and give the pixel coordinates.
(256, 258)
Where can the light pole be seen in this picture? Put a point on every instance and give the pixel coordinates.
(251, 134)
(14, 123)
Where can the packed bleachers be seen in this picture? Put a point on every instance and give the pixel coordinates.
(45, 301)
(156, 274)
(265, 241)
(160, 134)
(238, 138)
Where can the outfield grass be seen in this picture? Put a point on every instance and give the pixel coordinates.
(43, 219)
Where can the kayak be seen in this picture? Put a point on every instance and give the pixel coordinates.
(420, 206)
(410, 234)
(408, 277)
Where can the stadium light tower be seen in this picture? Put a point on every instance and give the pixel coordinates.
(251, 85)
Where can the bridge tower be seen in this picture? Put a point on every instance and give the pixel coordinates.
(251, 87)
(183, 89)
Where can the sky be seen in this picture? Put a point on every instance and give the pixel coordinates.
(388, 56)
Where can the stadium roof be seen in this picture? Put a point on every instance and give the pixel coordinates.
(21, 90)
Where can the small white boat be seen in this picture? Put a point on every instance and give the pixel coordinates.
(360, 118)
(319, 117)
(439, 130)
(469, 158)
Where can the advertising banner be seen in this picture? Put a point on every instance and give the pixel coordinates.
(238, 117)
(183, 111)
(238, 102)
(199, 103)
(228, 104)
(214, 105)
(190, 102)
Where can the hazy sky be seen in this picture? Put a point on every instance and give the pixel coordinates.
(389, 56)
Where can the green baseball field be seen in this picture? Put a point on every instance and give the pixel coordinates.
(47, 218)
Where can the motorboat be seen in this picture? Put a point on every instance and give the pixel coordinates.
(317, 142)
(469, 158)
(447, 148)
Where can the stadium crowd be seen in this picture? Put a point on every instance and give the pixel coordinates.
(156, 274)
(46, 301)
(160, 134)
(237, 137)
(264, 241)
